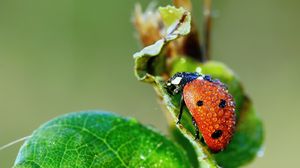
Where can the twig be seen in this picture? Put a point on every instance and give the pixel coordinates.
(187, 4)
(207, 27)
(191, 45)
(14, 142)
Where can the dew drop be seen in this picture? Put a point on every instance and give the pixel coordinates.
(142, 157)
(261, 152)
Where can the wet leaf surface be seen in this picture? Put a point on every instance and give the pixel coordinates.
(98, 139)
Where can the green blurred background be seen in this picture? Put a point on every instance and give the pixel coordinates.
(61, 56)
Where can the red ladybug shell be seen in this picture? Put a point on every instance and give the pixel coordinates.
(213, 109)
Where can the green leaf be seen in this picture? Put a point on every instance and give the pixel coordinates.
(143, 61)
(170, 14)
(177, 21)
(98, 139)
(152, 67)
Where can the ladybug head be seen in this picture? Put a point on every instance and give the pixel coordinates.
(176, 83)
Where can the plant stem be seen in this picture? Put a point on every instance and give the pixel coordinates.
(191, 46)
(187, 4)
(207, 27)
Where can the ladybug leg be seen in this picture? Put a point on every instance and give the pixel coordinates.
(196, 128)
(202, 140)
(182, 104)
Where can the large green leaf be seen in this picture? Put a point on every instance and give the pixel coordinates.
(98, 139)
(152, 66)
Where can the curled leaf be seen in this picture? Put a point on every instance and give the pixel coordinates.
(149, 55)
(167, 22)
(177, 21)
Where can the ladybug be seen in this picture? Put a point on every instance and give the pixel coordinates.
(211, 106)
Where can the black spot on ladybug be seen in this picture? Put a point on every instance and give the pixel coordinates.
(222, 103)
(217, 134)
(200, 103)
